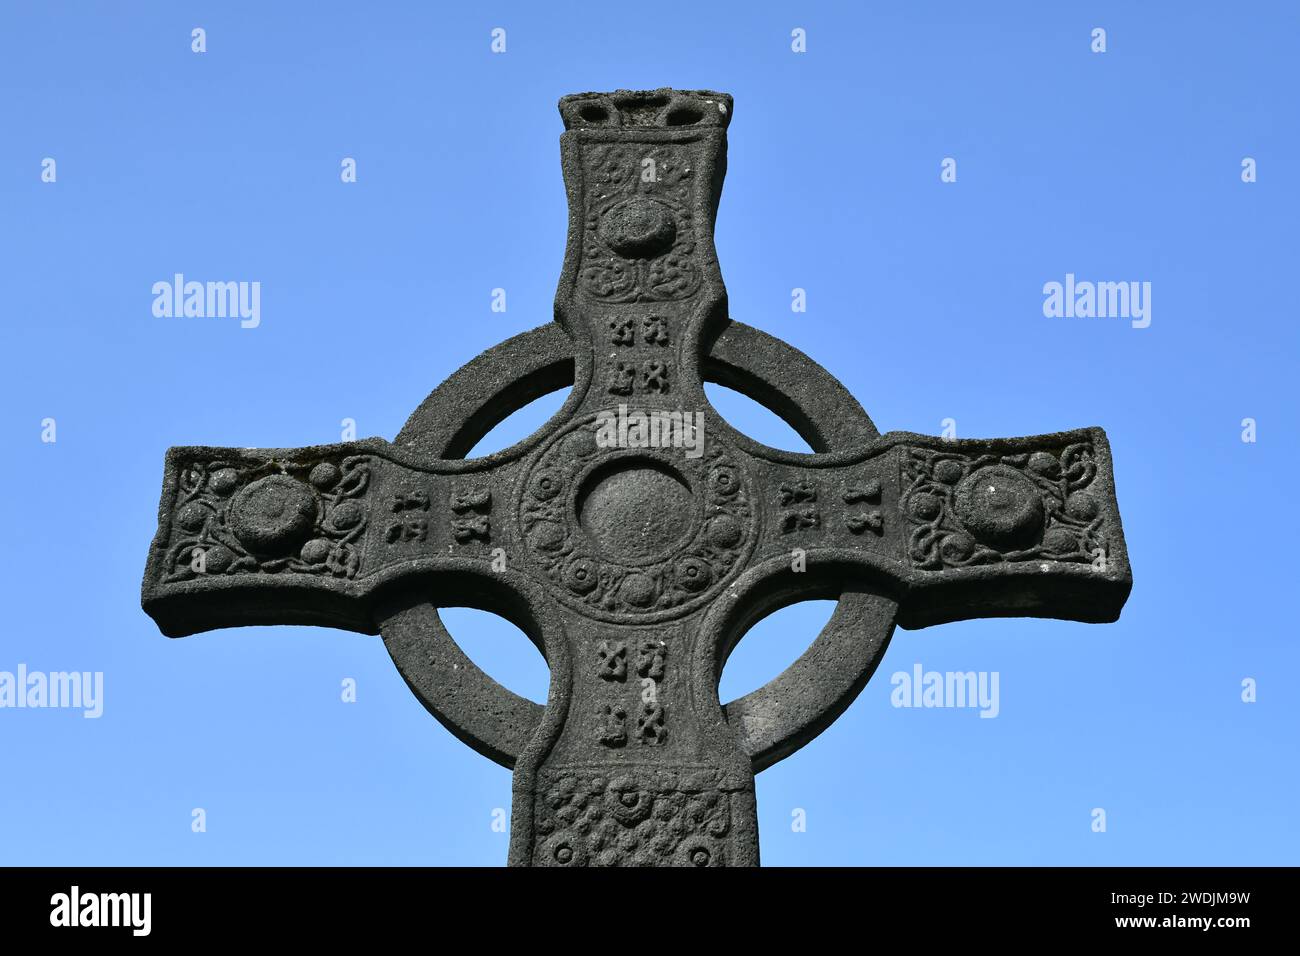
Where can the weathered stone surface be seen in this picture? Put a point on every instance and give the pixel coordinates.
(636, 565)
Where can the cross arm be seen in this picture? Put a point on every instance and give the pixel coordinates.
(313, 535)
(960, 529)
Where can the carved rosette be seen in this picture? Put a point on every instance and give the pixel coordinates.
(634, 816)
(639, 237)
(716, 515)
(966, 511)
(235, 517)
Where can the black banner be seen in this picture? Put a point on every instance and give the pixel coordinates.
(337, 904)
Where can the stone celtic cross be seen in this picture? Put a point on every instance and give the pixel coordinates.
(636, 536)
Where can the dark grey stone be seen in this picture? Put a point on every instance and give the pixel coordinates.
(636, 569)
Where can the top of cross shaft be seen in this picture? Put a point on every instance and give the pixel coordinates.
(646, 109)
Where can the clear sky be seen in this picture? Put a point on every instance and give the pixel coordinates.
(924, 297)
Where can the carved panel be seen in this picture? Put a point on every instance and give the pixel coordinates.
(639, 237)
(635, 816)
(267, 517)
(966, 511)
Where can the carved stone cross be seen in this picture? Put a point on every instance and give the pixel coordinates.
(637, 536)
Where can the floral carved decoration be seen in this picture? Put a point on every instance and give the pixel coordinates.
(639, 237)
(673, 817)
(966, 511)
(234, 517)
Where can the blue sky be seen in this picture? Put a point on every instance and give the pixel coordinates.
(924, 298)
